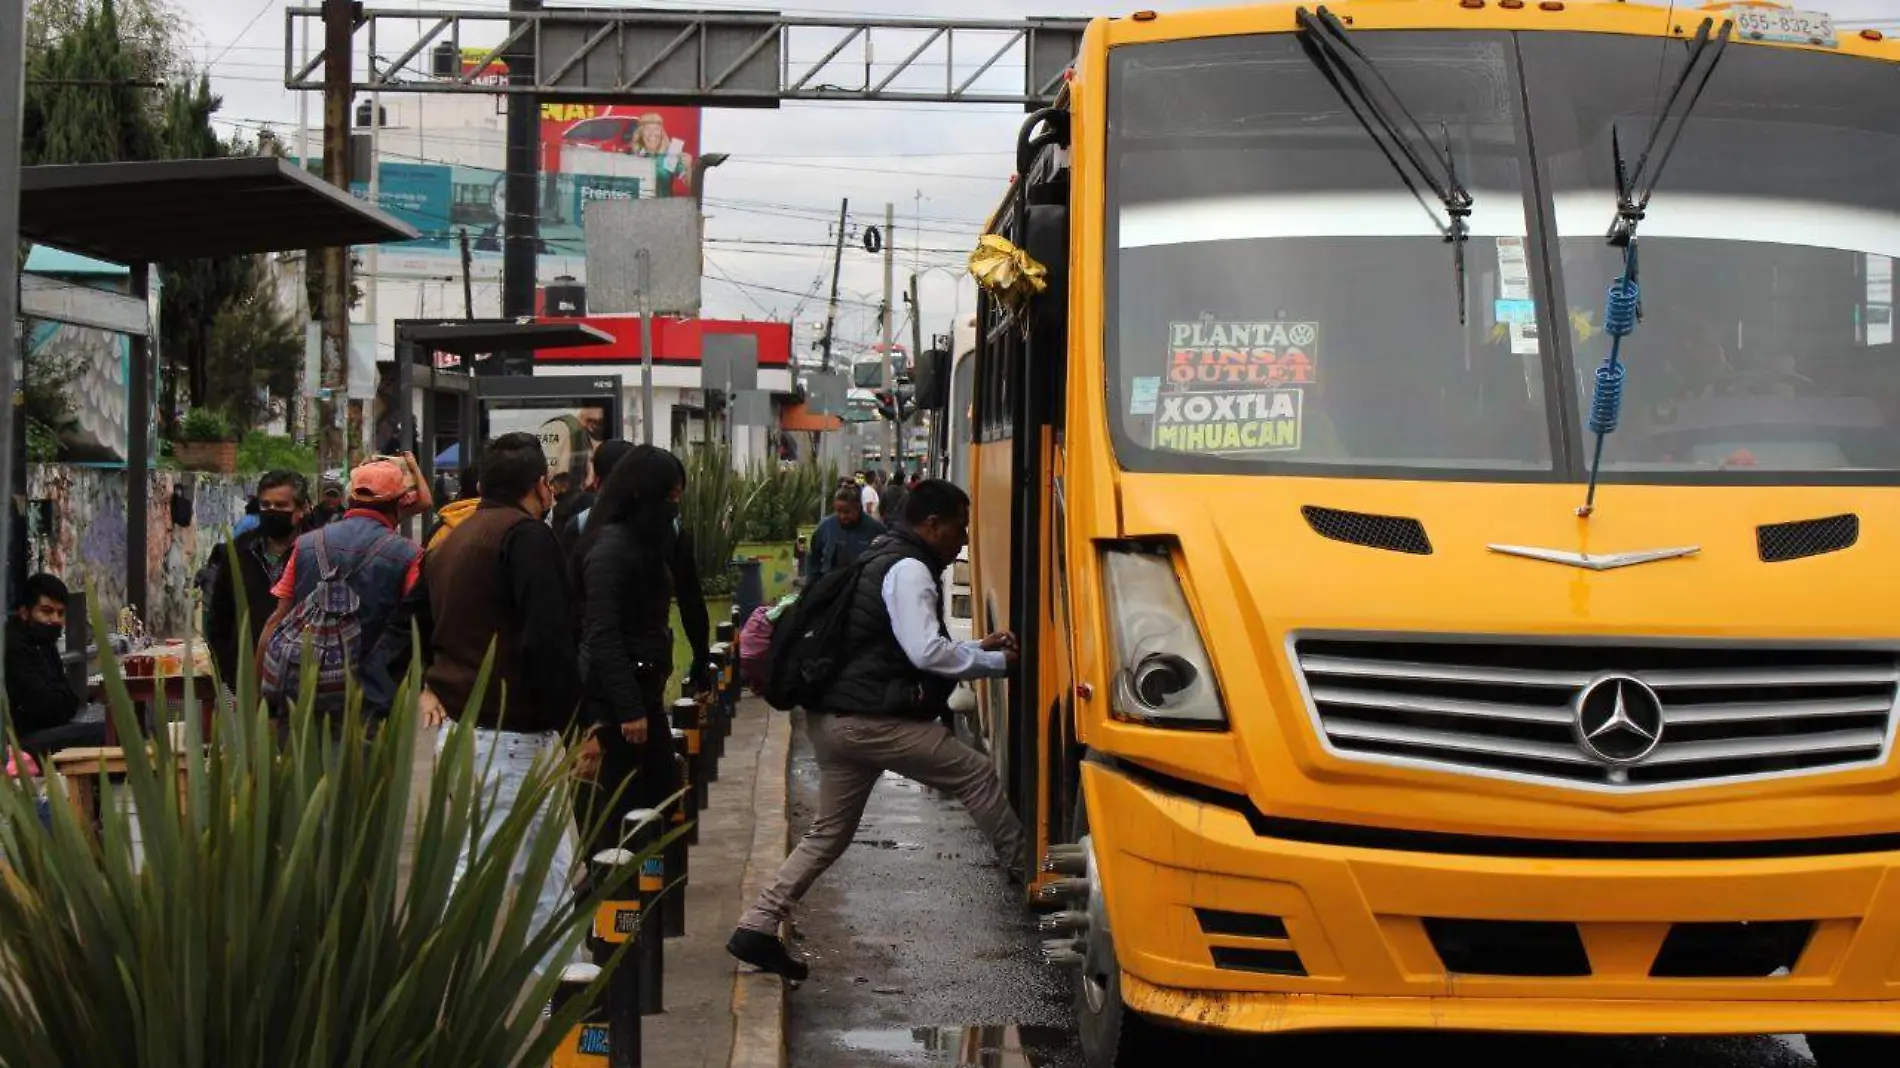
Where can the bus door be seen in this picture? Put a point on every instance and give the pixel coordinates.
(1021, 364)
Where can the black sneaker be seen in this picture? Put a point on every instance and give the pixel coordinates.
(766, 953)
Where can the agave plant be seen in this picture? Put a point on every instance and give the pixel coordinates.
(776, 499)
(708, 509)
(264, 917)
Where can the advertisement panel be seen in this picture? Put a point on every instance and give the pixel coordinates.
(589, 152)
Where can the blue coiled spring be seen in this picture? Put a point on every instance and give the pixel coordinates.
(1626, 301)
(1606, 404)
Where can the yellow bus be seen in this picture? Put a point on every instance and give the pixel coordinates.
(1414, 636)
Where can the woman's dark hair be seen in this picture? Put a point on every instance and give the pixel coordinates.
(636, 495)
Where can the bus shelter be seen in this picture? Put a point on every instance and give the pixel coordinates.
(142, 215)
(434, 374)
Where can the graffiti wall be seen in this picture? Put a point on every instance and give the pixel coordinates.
(75, 521)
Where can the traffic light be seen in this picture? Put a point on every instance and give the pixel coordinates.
(896, 405)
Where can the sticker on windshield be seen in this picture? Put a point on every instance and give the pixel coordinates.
(1524, 338)
(1227, 424)
(1142, 393)
(1213, 354)
(1515, 311)
(1514, 272)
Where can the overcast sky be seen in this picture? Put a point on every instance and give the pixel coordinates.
(789, 166)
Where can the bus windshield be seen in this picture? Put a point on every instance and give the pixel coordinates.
(1766, 258)
(1282, 298)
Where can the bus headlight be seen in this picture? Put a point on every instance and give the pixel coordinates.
(1162, 674)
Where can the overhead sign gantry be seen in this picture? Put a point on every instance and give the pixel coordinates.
(708, 58)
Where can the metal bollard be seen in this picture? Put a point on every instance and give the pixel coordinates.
(717, 727)
(589, 1044)
(680, 814)
(687, 716)
(640, 832)
(722, 672)
(616, 923)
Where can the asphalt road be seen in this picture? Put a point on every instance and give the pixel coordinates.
(919, 956)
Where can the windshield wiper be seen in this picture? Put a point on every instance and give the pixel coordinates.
(1633, 189)
(1332, 49)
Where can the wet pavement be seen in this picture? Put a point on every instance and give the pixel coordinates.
(920, 956)
(918, 953)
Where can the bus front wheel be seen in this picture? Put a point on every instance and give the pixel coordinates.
(1854, 1051)
(1111, 1034)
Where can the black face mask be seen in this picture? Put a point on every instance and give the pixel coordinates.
(43, 633)
(276, 525)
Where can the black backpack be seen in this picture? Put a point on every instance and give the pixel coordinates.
(809, 643)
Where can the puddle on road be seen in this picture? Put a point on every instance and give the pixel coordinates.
(1002, 1046)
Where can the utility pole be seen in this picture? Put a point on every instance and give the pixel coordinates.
(305, 404)
(521, 245)
(339, 27)
(364, 411)
(890, 281)
(644, 261)
(468, 283)
(831, 314)
(916, 346)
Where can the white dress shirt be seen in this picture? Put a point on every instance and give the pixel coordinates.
(910, 596)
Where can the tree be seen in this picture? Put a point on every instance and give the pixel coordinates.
(155, 33)
(194, 292)
(46, 401)
(85, 104)
(82, 102)
(252, 356)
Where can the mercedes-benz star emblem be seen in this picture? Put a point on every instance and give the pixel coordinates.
(1618, 720)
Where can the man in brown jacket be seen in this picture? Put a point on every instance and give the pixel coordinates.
(500, 583)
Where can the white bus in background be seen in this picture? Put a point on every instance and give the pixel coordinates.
(953, 439)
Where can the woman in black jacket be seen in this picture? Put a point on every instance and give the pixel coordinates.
(623, 568)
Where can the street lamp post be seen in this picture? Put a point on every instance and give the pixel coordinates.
(700, 167)
(707, 161)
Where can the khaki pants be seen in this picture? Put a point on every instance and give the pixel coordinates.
(852, 752)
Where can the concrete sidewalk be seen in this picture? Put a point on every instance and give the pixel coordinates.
(716, 1015)
(719, 1014)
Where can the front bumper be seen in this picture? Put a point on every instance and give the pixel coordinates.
(1218, 927)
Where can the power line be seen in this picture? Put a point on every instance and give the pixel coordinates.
(269, 5)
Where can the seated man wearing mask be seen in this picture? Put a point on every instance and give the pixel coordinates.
(47, 713)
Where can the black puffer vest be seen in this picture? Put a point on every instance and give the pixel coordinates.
(878, 679)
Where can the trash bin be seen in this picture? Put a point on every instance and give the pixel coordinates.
(749, 592)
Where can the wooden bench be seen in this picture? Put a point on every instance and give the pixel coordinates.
(80, 770)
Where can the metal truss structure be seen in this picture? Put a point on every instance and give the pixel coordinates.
(722, 58)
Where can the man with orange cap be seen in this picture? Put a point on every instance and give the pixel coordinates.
(366, 551)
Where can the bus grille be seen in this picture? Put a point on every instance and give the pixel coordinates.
(1613, 716)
